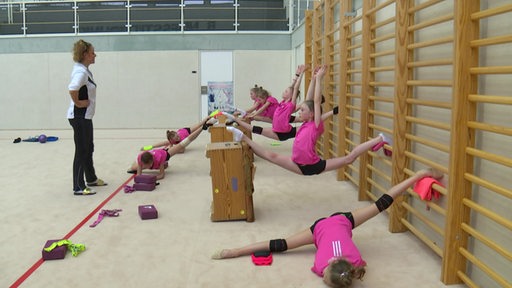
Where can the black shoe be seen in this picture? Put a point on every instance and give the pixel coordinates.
(17, 140)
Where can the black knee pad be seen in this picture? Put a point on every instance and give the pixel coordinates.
(278, 245)
(384, 202)
(257, 129)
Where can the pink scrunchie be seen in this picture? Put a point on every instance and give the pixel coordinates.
(424, 188)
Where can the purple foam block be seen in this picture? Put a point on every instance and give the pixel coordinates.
(144, 186)
(149, 179)
(58, 252)
(148, 212)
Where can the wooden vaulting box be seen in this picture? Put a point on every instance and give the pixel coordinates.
(219, 133)
(231, 170)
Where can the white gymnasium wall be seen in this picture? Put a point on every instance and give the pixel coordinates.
(269, 69)
(136, 89)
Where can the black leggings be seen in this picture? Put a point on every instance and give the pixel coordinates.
(84, 148)
(349, 216)
(313, 169)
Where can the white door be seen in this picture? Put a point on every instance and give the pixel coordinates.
(216, 66)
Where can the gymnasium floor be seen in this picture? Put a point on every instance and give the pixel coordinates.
(174, 250)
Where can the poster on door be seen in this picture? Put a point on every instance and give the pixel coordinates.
(220, 96)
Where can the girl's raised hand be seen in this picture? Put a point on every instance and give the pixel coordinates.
(302, 68)
(321, 71)
(314, 71)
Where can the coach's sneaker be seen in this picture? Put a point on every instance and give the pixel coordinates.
(237, 134)
(86, 191)
(98, 182)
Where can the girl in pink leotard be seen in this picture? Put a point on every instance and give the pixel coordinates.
(337, 258)
(304, 159)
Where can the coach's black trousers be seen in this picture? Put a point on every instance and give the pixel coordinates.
(84, 148)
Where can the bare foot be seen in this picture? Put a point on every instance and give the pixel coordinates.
(222, 254)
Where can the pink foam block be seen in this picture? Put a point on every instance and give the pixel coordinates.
(149, 179)
(58, 252)
(148, 212)
(144, 186)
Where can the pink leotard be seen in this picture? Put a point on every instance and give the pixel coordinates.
(271, 108)
(182, 133)
(159, 157)
(281, 119)
(333, 239)
(303, 150)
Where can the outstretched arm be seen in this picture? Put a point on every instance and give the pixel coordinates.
(327, 115)
(311, 89)
(318, 94)
(258, 112)
(200, 124)
(161, 172)
(296, 85)
(296, 76)
(250, 110)
(139, 168)
(180, 147)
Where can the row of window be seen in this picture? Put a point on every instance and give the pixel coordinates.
(75, 17)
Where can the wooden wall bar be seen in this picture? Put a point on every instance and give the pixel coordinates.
(458, 214)
(402, 109)
(424, 72)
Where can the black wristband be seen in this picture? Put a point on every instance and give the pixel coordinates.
(384, 202)
(297, 74)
